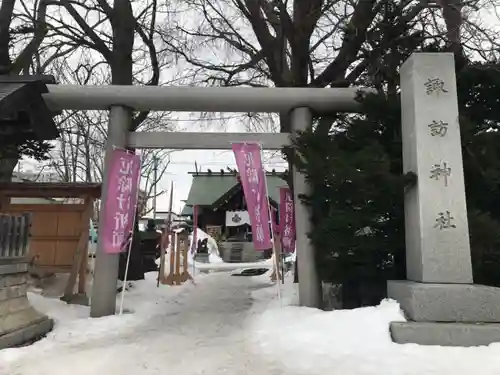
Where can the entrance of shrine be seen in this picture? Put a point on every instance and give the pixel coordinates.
(439, 269)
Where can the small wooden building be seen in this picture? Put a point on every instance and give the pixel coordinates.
(58, 230)
(222, 210)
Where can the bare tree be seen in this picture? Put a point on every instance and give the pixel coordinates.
(20, 42)
(99, 42)
(79, 152)
(315, 43)
(119, 37)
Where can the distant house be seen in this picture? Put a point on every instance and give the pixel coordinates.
(222, 209)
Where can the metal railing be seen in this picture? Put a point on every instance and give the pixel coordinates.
(14, 236)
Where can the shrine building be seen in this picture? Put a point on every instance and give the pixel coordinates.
(222, 211)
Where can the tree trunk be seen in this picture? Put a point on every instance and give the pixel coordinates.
(123, 23)
(7, 169)
(6, 11)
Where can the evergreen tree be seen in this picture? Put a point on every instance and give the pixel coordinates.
(356, 177)
(16, 145)
(355, 171)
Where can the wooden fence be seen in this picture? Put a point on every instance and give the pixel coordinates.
(14, 236)
(57, 230)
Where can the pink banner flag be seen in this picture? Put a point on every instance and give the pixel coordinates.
(287, 220)
(120, 207)
(252, 178)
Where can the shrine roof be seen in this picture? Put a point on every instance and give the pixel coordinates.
(23, 110)
(207, 188)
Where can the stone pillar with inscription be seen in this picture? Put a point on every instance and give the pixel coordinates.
(442, 304)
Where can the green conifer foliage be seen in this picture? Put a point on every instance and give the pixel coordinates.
(357, 184)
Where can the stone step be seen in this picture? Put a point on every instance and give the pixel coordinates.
(445, 334)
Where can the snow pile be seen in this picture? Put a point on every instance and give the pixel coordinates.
(355, 342)
(292, 257)
(213, 249)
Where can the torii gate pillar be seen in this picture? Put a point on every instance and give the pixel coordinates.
(103, 300)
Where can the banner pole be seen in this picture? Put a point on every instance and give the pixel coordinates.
(282, 258)
(270, 223)
(124, 286)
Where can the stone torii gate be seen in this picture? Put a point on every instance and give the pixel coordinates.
(122, 100)
(439, 297)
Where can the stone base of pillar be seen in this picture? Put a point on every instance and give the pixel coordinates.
(445, 334)
(20, 323)
(446, 314)
(23, 327)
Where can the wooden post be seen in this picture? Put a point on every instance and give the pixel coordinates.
(177, 276)
(79, 253)
(169, 279)
(161, 267)
(185, 275)
(4, 203)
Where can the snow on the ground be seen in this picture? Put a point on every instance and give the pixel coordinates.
(232, 325)
(74, 328)
(189, 329)
(356, 342)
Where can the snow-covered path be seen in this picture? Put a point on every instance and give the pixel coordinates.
(232, 325)
(196, 331)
